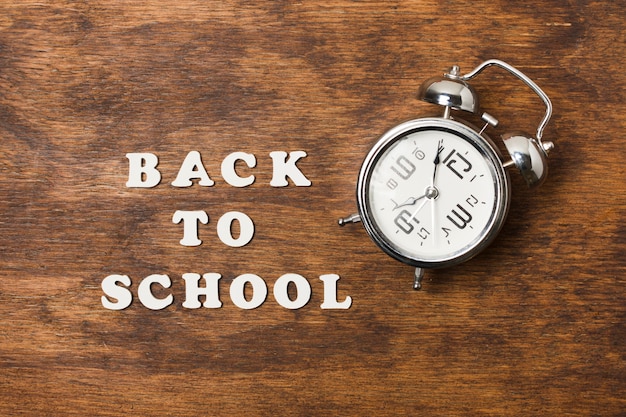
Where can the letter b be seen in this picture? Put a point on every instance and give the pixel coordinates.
(142, 172)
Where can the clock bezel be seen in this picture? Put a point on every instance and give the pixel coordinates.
(484, 146)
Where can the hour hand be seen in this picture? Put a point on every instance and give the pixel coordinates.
(409, 202)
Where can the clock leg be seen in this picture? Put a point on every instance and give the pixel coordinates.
(417, 282)
(353, 218)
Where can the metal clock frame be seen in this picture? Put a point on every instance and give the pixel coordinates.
(479, 141)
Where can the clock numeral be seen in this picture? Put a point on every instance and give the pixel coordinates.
(392, 184)
(403, 167)
(471, 200)
(450, 161)
(419, 154)
(423, 233)
(447, 232)
(460, 220)
(403, 221)
(459, 216)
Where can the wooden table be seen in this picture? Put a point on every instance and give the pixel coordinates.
(533, 326)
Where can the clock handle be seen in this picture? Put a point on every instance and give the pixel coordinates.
(530, 83)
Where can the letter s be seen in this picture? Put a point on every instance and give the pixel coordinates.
(123, 295)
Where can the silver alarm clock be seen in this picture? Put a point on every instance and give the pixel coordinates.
(434, 192)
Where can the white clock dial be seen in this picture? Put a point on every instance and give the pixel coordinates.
(432, 195)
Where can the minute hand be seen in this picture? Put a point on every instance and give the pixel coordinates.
(436, 162)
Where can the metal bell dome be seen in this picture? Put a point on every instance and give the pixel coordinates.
(529, 156)
(449, 91)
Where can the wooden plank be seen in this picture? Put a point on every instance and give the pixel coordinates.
(533, 326)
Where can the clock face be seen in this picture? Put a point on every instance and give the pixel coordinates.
(433, 192)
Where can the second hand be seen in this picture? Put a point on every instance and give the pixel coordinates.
(417, 211)
(432, 210)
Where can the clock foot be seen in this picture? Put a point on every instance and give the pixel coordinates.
(417, 282)
(353, 218)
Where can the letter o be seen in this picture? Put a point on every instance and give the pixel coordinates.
(303, 291)
(259, 291)
(224, 231)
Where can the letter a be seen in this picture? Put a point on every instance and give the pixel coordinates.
(190, 169)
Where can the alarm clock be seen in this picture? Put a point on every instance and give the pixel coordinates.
(435, 191)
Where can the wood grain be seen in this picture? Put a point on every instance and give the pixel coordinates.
(533, 326)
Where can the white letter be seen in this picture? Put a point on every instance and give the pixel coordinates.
(144, 292)
(123, 296)
(330, 294)
(228, 169)
(284, 169)
(303, 290)
(192, 168)
(190, 225)
(237, 288)
(193, 291)
(140, 164)
(246, 227)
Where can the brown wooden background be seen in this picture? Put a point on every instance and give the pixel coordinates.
(534, 326)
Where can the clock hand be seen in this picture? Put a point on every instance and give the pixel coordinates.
(433, 219)
(436, 161)
(412, 200)
(416, 211)
(409, 202)
(433, 190)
